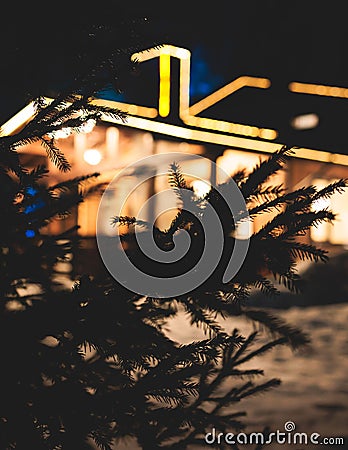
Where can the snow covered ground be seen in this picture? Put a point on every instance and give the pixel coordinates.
(314, 390)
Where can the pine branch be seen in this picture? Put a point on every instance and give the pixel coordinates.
(305, 251)
(102, 437)
(264, 170)
(267, 193)
(245, 346)
(331, 189)
(129, 221)
(239, 176)
(277, 327)
(34, 175)
(259, 351)
(266, 286)
(261, 388)
(291, 198)
(72, 184)
(290, 224)
(107, 112)
(175, 177)
(290, 279)
(178, 183)
(55, 155)
(202, 318)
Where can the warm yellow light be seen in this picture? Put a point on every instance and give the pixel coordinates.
(188, 113)
(232, 161)
(196, 135)
(200, 187)
(244, 229)
(319, 155)
(227, 90)
(164, 89)
(267, 133)
(92, 156)
(305, 121)
(228, 140)
(150, 53)
(230, 127)
(135, 110)
(182, 53)
(18, 120)
(320, 204)
(63, 133)
(87, 126)
(318, 89)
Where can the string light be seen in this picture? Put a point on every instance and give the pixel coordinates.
(92, 156)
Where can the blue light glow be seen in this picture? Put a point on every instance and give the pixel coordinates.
(30, 233)
(203, 81)
(33, 207)
(31, 191)
(109, 93)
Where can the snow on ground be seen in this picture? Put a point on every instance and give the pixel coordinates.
(314, 390)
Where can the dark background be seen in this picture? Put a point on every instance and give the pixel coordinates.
(288, 41)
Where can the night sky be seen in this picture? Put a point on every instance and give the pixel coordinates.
(302, 41)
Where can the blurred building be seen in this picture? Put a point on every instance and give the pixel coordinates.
(172, 122)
